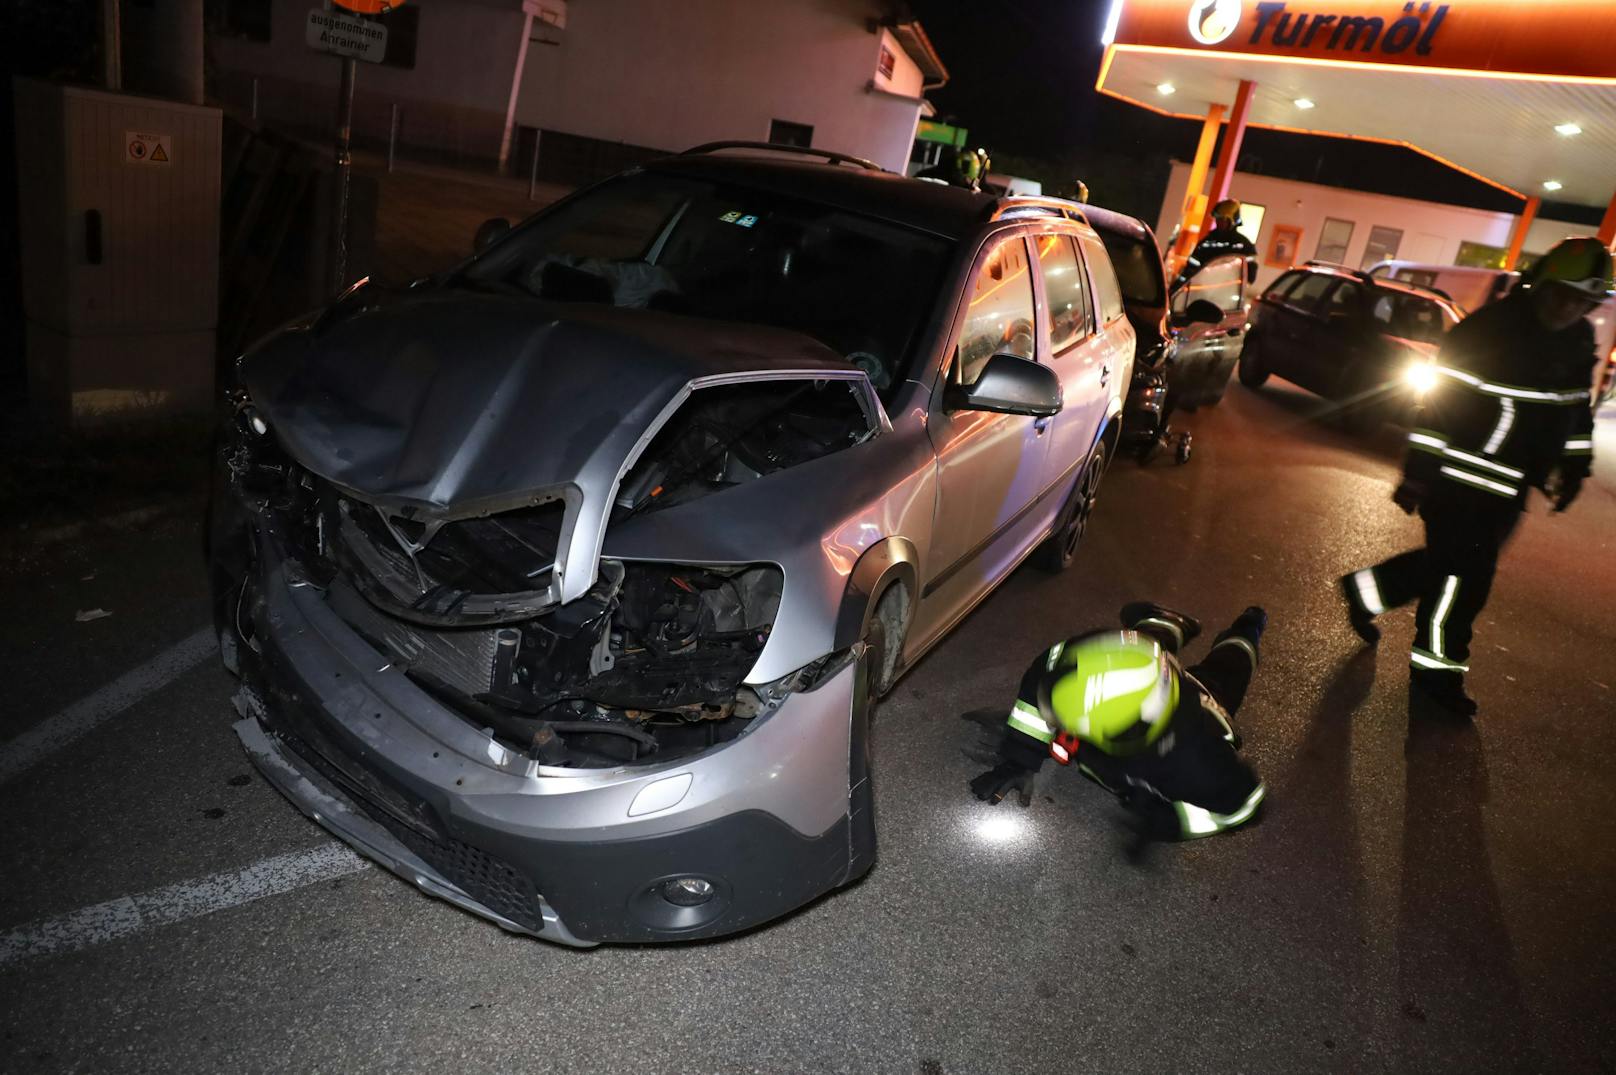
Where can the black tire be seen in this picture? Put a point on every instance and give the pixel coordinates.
(1252, 370)
(1060, 548)
(884, 636)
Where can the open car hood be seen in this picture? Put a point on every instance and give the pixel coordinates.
(454, 404)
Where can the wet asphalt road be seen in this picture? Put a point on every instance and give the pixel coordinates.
(1416, 898)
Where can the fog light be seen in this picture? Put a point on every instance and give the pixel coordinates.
(687, 891)
(1420, 377)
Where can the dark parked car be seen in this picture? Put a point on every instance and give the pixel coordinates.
(1182, 350)
(1367, 342)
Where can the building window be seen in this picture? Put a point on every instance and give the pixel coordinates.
(1333, 240)
(1383, 244)
(1251, 217)
(782, 133)
(1481, 256)
(243, 18)
(886, 63)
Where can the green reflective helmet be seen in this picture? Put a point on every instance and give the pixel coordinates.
(1115, 690)
(1581, 263)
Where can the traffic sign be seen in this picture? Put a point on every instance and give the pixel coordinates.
(346, 35)
(368, 7)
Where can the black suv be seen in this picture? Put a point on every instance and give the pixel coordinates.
(1364, 341)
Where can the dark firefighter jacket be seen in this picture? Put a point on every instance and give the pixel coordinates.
(1217, 243)
(1512, 402)
(1191, 773)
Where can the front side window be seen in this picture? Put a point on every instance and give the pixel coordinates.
(999, 314)
(706, 249)
(1107, 291)
(1065, 291)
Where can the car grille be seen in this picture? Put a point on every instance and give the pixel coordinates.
(488, 879)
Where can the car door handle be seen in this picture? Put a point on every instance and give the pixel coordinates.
(1105, 375)
(1039, 425)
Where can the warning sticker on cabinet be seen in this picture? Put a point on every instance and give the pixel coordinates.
(140, 147)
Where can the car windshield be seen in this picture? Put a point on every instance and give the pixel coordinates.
(1413, 317)
(1138, 266)
(712, 250)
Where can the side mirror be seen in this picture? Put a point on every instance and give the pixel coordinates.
(1202, 310)
(489, 232)
(1010, 384)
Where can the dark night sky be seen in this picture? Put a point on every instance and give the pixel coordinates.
(1022, 80)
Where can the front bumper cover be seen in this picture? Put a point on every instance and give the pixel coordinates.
(572, 856)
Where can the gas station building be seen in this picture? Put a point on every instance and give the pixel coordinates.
(1521, 96)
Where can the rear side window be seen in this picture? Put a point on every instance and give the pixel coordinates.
(1107, 292)
(1066, 291)
(999, 317)
(1305, 296)
(1277, 289)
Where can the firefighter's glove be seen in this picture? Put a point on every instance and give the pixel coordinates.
(1409, 496)
(1570, 486)
(1007, 776)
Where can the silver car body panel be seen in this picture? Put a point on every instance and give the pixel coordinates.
(478, 404)
(456, 404)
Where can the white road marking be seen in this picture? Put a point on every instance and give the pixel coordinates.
(56, 732)
(174, 903)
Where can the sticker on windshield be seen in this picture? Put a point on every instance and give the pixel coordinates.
(731, 217)
(735, 216)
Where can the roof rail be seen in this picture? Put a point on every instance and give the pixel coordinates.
(828, 155)
(1011, 206)
(1315, 263)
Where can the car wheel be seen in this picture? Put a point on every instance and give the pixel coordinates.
(884, 637)
(1253, 372)
(1060, 549)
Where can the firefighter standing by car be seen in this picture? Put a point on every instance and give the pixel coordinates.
(1224, 239)
(1511, 412)
(1156, 735)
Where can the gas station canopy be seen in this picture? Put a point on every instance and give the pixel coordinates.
(1522, 95)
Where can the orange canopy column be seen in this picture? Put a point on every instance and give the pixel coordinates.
(1517, 239)
(1189, 223)
(1230, 153)
(1607, 229)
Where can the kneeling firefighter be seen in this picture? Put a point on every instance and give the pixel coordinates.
(1156, 735)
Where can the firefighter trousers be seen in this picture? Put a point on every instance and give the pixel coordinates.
(1451, 576)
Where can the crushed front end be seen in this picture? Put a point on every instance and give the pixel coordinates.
(583, 771)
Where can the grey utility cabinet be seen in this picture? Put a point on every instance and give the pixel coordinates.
(119, 210)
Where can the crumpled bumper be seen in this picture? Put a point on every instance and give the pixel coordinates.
(772, 819)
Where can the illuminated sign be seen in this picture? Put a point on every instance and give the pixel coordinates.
(1536, 39)
(1212, 21)
(1416, 28)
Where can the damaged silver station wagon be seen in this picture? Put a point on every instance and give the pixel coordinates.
(562, 583)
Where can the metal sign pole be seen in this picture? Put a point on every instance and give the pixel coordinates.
(339, 222)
